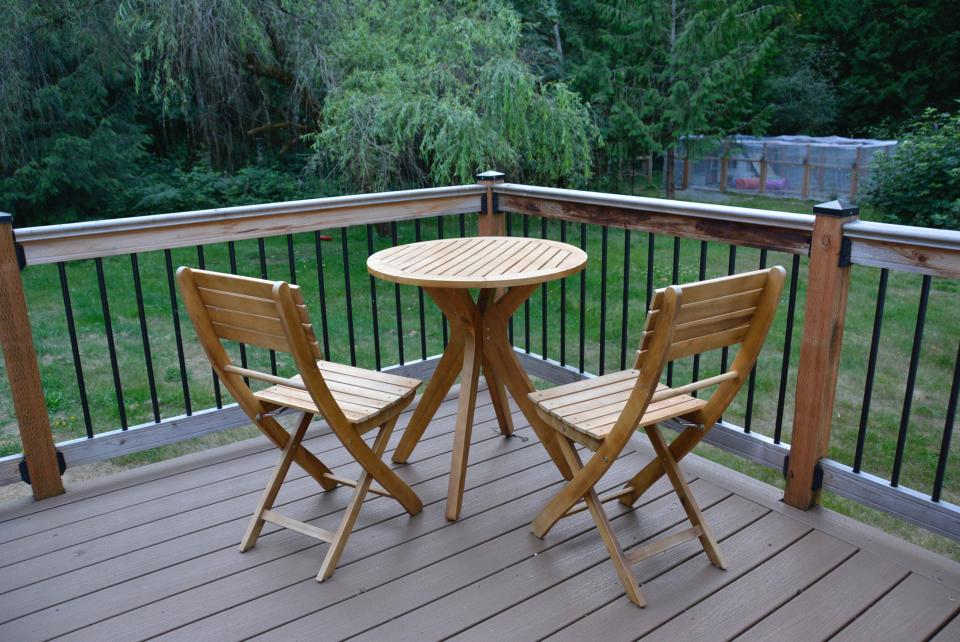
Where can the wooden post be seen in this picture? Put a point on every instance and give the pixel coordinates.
(763, 170)
(855, 176)
(491, 221)
(724, 161)
(686, 169)
(23, 372)
(650, 170)
(805, 189)
(827, 283)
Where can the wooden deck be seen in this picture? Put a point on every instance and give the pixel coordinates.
(152, 552)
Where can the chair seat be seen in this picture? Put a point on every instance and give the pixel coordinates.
(366, 397)
(586, 411)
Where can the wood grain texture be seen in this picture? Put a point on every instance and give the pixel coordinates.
(486, 262)
(23, 374)
(824, 314)
(690, 225)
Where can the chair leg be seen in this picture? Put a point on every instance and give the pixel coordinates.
(574, 490)
(498, 397)
(353, 508)
(273, 486)
(606, 530)
(687, 500)
(681, 445)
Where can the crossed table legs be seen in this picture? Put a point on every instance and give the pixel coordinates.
(478, 340)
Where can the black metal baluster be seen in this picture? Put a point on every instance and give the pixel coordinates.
(261, 248)
(75, 348)
(583, 294)
(509, 224)
(911, 380)
(145, 336)
(317, 241)
(543, 298)
(232, 252)
(563, 304)
(443, 319)
(291, 259)
(373, 303)
(423, 320)
(526, 303)
(787, 347)
(604, 236)
(463, 225)
(731, 269)
(202, 262)
(674, 278)
(175, 312)
(751, 383)
(871, 370)
(947, 430)
(701, 275)
(396, 296)
(651, 244)
(624, 316)
(349, 299)
(111, 346)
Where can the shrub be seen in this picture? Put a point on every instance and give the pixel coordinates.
(919, 182)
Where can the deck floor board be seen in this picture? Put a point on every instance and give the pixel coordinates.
(152, 553)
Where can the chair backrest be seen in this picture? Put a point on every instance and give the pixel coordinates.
(256, 312)
(714, 314)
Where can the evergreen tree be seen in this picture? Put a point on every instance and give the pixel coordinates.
(665, 69)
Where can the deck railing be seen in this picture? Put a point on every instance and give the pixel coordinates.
(579, 327)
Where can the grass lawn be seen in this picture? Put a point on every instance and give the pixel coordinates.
(927, 417)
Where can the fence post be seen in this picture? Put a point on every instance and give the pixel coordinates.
(826, 306)
(724, 162)
(763, 170)
(491, 221)
(23, 373)
(855, 175)
(805, 189)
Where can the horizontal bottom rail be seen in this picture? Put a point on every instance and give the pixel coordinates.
(940, 517)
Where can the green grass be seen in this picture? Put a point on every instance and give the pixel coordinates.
(926, 420)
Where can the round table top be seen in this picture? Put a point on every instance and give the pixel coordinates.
(477, 262)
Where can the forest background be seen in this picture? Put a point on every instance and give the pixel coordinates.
(123, 107)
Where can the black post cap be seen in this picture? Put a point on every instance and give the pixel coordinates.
(490, 175)
(839, 208)
(6, 218)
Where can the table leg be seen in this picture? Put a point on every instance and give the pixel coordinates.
(498, 397)
(507, 369)
(470, 375)
(437, 388)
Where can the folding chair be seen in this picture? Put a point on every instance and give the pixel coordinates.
(601, 414)
(272, 315)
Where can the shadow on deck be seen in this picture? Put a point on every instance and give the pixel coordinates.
(152, 552)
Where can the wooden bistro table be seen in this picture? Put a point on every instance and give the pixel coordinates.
(506, 270)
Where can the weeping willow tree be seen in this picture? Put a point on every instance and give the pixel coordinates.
(387, 93)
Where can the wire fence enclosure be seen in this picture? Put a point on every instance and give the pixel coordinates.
(822, 168)
(116, 368)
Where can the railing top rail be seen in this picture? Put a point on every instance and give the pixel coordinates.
(890, 233)
(221, 214)
(89, 239)
(726, 213)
